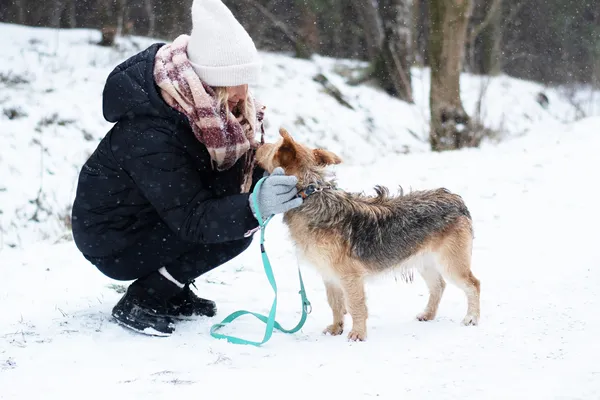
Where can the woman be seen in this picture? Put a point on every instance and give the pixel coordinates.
(165, 197)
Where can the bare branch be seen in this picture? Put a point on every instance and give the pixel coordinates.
(476, 31)
(293, 36)
(404, 77)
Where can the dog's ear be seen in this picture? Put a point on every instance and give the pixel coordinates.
(286, 153)
(326, 157)
(285, 135)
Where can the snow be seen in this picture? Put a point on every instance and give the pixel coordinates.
(51, 84)
(532, 197)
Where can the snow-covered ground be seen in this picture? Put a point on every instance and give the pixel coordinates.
(533, 199)
(51, 118)
(536, 217)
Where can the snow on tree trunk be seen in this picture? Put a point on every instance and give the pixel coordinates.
(450, 125)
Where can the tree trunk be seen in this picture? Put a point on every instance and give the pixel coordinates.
(492, 41)
(416, 10)
(420, 32)
(111, 13)
(72, 14)
(371, 25)
(22, 7)
(392, 66)
(151, 12)
(308, 32)
(485, 38)
(595, 57)
(57, 11)
(450, 125)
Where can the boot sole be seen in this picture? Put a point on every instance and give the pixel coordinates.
(146, 332)
(190, 317)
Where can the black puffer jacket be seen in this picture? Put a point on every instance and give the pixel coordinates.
(150, 167)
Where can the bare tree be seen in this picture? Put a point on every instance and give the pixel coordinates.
(485, 37)
(112, 17)
(149, 6)
(420, 29)
(393, 70)
(371, 24)
(450, 125)
(308, 31)
(388, 30)
(62, 9)
(288, 31)
(22, 5)
(57, 10)
(72, 14)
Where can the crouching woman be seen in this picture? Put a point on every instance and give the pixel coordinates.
(165, 197)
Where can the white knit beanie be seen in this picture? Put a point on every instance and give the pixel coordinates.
(220, 50)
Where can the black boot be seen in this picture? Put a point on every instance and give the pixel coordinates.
(142, 311)
(187, 304)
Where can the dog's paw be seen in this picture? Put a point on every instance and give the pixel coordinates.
(471, 320)
(334, 329)
(357, 336)
(425, 316)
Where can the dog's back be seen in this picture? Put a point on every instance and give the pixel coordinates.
(383, 230)
(398, 226)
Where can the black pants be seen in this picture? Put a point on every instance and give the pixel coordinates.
(185, 261)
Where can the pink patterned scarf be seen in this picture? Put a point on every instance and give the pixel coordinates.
(226, 137)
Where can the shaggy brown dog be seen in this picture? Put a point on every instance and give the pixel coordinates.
(349, 236)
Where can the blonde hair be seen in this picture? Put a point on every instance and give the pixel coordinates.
(223, 96)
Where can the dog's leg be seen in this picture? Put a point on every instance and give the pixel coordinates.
(335, 298)
(456, 267)
(436, 285)
(354, 293)
(470, 285)
(472, 289)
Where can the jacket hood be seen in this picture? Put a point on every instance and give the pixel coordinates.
(130, 90)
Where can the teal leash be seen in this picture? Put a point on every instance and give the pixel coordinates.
(270, 320)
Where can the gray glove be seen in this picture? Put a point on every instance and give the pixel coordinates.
(277, 194)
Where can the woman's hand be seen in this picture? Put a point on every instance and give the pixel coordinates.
(277, 194)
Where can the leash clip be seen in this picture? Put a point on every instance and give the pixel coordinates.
(307, 308)
(309, 190)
